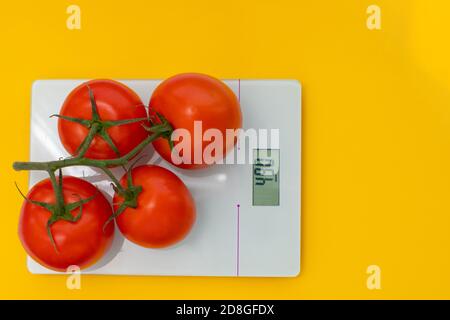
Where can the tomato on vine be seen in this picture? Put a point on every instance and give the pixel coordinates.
(164, 212)
(58, 235)
(114, 110)
(186, 98)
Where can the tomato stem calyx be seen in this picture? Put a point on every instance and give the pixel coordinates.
(59, 210)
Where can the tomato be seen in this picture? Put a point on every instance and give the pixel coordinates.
(165, 211)
(80, 243)
(185, 98)
(115, 101)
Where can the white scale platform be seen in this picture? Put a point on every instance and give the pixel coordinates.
(259, 241)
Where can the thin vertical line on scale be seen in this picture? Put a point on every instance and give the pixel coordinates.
(238, 205)
(239, 99)
(239, 90)
(238, 240)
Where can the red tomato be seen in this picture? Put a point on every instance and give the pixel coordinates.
(190, 97)
(115, 101)
(165, 212)
(80, 243)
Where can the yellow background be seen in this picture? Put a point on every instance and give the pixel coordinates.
(376, 129)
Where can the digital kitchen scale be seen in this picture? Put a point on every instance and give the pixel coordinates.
(248, 215)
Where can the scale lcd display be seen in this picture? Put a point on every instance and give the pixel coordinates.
(266, 177)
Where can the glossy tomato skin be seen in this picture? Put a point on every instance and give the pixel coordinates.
(165, 212)
(115, 101)
(80, 243)
(189, 97)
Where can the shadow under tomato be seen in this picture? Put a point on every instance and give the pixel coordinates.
(115, 248)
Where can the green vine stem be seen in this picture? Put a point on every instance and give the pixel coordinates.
(97, 127)
(82, 161)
